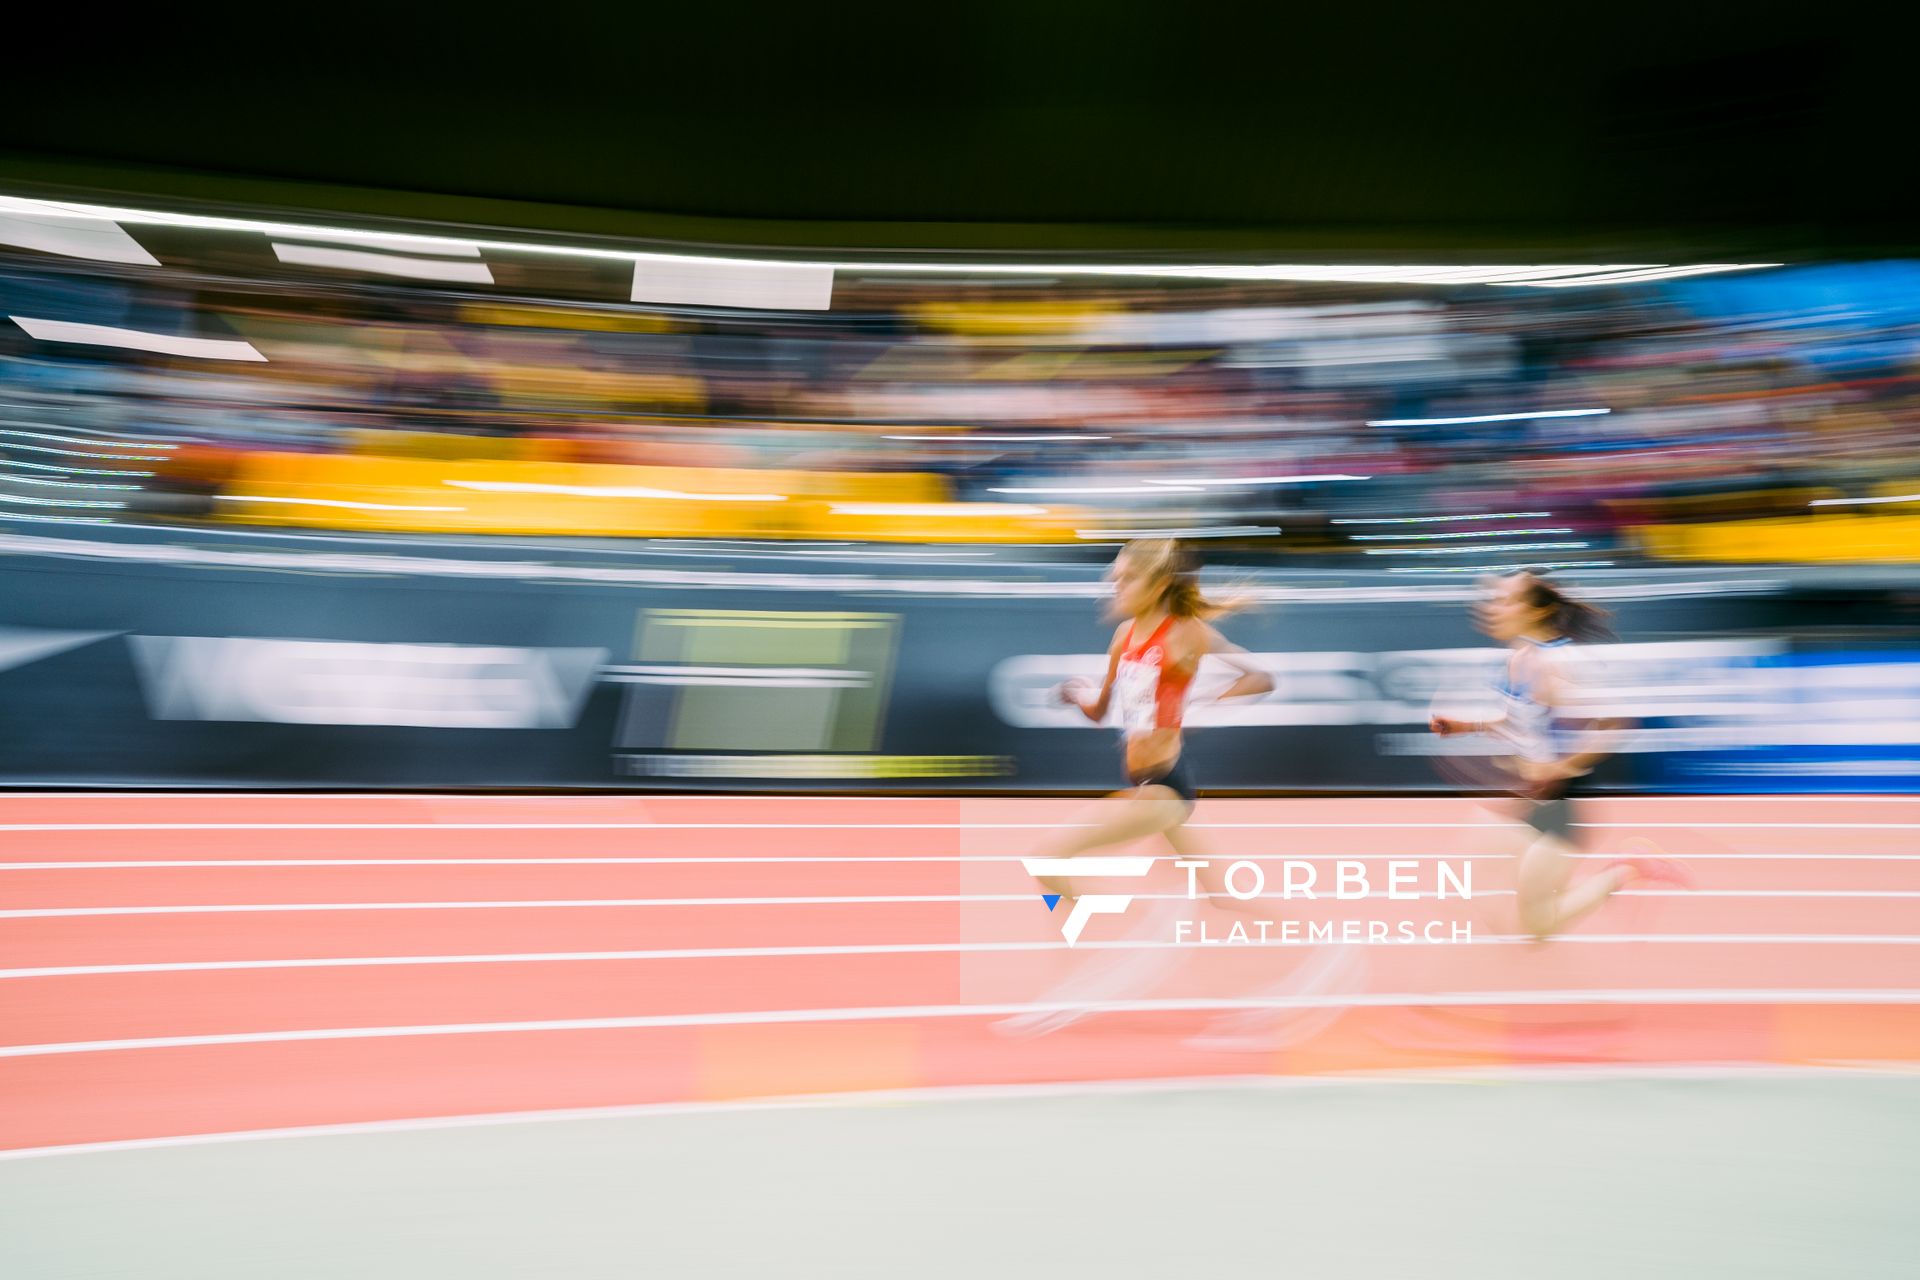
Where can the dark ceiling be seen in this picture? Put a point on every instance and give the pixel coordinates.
(1354, 131)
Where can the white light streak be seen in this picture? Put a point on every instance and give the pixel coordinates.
(71, 471)
(1502, 515)
(1149, 488)
(96, 441)
(1473, 533)
(330, 502)
(1487, 417)
(1476, 549)
(64, 484)
(1204, 531)
(1863, 502)
(1229, 481)
(610, 491)
(58, 502)
(1509, 568)
(972, 435)
(936, 509)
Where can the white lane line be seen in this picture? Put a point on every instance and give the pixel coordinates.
(447, 797)
(883, 858)
(696, 860)
(36, 913)
(758, 1017)
(537, 904)
(910, 826)
(1762, 893)
(697, 797)
(1540, 1073)
(680, 826)
(930, 948)
(33, 913)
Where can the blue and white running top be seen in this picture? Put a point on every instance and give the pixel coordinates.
(1529, 723)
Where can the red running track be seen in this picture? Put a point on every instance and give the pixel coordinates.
(189, 964)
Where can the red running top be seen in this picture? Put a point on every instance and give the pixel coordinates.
(1149, 694)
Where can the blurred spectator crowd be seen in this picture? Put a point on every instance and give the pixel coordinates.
(1319, 409)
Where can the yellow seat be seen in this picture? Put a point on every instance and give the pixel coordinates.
(1834, 537)
(491, 495)
(976, 522)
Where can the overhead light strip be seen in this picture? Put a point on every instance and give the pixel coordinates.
(1642, 276)
(72, 236)
(397, 242)
(445, 270)
(1545, 275)
(105, 335)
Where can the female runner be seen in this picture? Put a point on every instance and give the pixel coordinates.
(1539, 623)
(1151, 663)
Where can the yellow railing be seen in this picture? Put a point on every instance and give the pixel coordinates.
(1823, 537)
(517, 496)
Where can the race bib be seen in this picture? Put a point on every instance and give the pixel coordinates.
(1136, 688)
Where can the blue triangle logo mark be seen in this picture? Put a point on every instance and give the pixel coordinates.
(1051, 899)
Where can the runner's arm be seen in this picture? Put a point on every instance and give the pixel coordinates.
(1448, 726)
(1096, 710)
(1561, 685)
(1253, 681)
